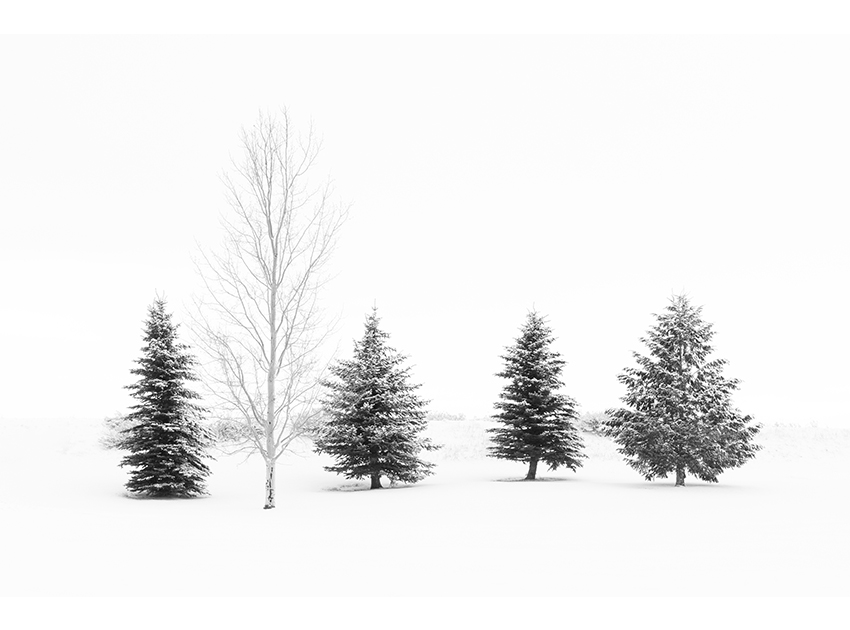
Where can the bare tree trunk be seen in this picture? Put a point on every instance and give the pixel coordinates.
(680, 475)
(270, 475)
(532, 470)
(271, 448)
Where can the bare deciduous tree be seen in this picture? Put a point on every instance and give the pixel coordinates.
(260, 321)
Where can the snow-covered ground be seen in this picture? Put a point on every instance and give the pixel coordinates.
(777, 526)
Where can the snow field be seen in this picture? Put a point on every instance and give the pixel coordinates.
(777, 526)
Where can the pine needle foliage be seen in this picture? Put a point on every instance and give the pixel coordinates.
(166, 440)
(679, 415)
(539, 423)
(375, 418)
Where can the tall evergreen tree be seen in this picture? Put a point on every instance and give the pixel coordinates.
(679, 416)
(375, 416)
(539, 423)
(166, 440)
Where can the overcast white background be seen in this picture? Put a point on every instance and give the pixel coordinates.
(590, 177)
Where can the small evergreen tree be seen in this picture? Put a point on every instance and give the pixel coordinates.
(539, 423)
(375, 417)
(166, 441)
(680, 415)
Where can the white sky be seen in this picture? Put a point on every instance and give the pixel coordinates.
(590, 177)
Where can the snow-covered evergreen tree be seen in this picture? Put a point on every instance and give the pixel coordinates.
(166, 440)
(539, 423)
(375, 417)
(679, 416)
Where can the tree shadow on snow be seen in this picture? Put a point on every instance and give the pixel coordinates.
(661, 484)
(364, 487)
(144, 497)
(541, 479)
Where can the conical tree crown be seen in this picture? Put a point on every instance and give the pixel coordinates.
(375, 416)
(538, 421)
(166, 441)
(533, 370)
(679, 413)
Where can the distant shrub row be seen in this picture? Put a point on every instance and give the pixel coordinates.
(229, 431)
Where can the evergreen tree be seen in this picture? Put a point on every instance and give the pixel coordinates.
(375, 417)
(680, 416)
(539, 423)
(166, 441)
